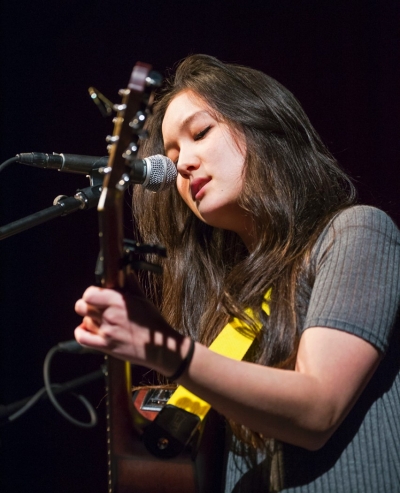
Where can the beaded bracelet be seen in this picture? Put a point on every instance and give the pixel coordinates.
(184, 363)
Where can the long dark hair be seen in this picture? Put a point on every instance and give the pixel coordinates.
(292, 188)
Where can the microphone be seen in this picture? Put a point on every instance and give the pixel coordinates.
(155, 173)
(68, 163)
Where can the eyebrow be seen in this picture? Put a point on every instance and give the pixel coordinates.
(186, 122)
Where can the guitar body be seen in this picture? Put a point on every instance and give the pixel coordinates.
(132, 468)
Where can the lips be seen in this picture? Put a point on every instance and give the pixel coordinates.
(196, 186)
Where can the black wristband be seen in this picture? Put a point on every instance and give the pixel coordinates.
(184, 363)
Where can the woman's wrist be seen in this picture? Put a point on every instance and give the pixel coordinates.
(185, 362)
(169, 353)
(175, 355)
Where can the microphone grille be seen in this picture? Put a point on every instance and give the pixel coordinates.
(162, 173)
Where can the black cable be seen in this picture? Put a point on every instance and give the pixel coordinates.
(31, 402)
(56, 404)
(6, 163)
(15, 410)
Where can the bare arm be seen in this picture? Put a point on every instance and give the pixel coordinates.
(301, 407)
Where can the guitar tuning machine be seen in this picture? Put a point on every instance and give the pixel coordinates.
(154, 79)
(123, 183)
(137, 248)
(138, 121)
(132, 249)
(104, 105)
(104, 170)
(119, 107)
(131, 152)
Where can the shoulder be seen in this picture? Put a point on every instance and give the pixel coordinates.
(363, 216)
(363, 225)
(356, 286)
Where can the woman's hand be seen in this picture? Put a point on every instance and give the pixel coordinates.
(129, 327)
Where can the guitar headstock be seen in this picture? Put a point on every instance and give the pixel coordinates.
(123, 146)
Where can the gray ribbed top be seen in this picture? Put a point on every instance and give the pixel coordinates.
(357, 289)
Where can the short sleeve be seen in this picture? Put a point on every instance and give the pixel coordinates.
(357, 282)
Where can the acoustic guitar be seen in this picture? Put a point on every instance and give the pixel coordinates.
(132, 468)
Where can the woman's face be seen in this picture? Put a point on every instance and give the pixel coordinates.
(209, 159)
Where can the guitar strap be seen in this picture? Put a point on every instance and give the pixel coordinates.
(184, 412)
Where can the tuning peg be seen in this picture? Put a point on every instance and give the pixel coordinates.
(123, 183)
(138, 120)
(119, 107)
(144, 248)
(131, 152)
(105, 105)
(153, 79)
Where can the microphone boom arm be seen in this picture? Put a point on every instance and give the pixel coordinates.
(84, 199)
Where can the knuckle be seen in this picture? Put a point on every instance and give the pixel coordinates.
(114, 316)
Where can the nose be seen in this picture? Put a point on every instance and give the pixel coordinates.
(187, 162)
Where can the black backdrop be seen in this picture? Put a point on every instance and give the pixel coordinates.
(340, 58)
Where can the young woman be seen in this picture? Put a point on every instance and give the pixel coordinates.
(260, 204)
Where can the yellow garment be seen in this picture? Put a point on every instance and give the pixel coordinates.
(231, 342)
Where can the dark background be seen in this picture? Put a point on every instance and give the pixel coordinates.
(341, 60)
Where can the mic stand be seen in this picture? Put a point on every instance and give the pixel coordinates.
(83, 199)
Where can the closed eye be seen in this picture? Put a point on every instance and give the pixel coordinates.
(201, 134)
